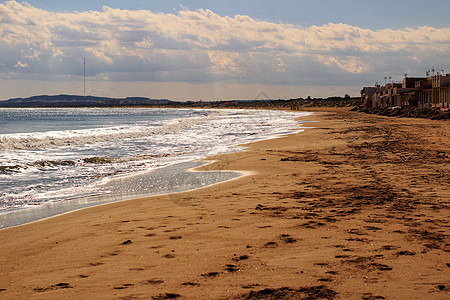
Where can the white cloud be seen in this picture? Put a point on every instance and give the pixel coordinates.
(201, 46)
(21, 65)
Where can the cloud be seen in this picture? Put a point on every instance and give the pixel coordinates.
(201, 46)
(21, 65)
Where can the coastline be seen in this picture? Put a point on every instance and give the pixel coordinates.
(356, 207)
(86, 170)
(186, 172)
(175, 177)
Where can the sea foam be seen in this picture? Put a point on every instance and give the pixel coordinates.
(49, 164)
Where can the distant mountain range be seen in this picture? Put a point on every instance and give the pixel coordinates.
(81, 101)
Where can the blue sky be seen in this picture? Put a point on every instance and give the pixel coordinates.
(371, 14)
(217, 49)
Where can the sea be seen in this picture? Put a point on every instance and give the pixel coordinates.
(56, 160)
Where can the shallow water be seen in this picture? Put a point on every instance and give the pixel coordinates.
(171, 179)
(56, 155)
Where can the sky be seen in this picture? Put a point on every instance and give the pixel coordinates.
(217, 50)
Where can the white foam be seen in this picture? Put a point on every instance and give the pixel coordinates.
(66, 138)
(135, 149)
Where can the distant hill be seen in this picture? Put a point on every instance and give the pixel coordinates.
(80, 101)
(91, 101)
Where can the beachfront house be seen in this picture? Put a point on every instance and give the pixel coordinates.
(440, 91)
(367, 96)
(423, 92)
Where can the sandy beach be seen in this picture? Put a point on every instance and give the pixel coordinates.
(355, 207)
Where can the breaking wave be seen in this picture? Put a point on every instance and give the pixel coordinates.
(56, 139)
(45, 165)
(48, 155)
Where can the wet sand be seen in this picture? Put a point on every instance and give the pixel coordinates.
(355, 208)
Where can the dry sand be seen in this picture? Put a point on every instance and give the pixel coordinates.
(356, 208)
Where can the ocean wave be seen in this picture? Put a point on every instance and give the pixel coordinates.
(40, 165)
(44, 165)
(56, 139)
(11, 169)
(42, 169)
(108, 160)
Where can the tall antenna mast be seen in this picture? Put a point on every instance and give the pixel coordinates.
(84, 77)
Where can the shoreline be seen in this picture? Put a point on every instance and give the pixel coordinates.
(33, 214)
(123, 187)
(52, 209)
(355, 207)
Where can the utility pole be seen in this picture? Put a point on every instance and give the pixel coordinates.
(84, 77)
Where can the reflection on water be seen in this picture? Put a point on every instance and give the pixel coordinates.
(172, 179)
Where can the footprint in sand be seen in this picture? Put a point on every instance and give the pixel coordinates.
(250, 286)
(190, 284)
(271, 245)
(154, 281)
(389, 247)
(166, 296)
(157, 247)
(61, 285)
(370, 296)
(287, 239)
(242, 257)
(125, 286)
(232, 268)
(210, 274)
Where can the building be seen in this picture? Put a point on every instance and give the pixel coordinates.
(367, 95)
(440, 91)
(423, 92)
